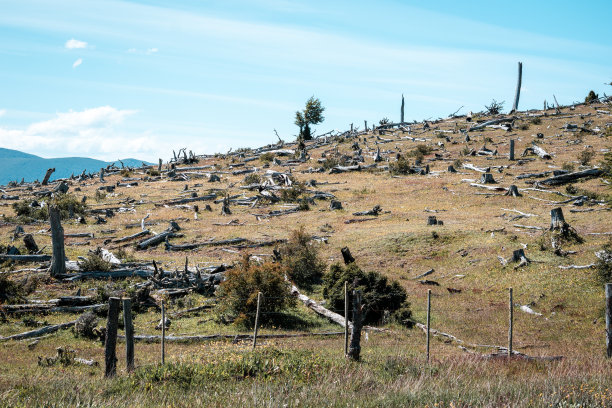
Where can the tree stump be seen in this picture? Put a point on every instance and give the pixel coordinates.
(487, 178)
(102, 175)
(159, 165)
(354, 347)
(451, 169)
(520, 257)
(47, 176)
(432, 220)
(513, 191)
(30, 244)
(213, 178)
(225, 208)
(511, 149)
(346, 255)
(557, 220)
(335, 205)
(58, 262)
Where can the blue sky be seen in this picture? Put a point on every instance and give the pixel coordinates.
(111, 79)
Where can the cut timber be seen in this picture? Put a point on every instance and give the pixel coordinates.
(58, 262)
(570, 177)
(39, 332)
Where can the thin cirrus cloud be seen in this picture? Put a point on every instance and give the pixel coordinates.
(77, 62)
(75, 44)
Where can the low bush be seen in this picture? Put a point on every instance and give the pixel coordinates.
(379, 296)
(585, 156)
(401, 166)
(266, 157)
(85, 326)
(94, 262)
(603, 266)
(591, 97)
(252, 179)
(68, 204)
(238, 293)
(300, 255)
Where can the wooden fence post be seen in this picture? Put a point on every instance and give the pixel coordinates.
(355, 347)
(58, 262)
(511, 323)
(609, 319)
(256, 320)
(346, 308)
(110, 354)
(428, 319)
(163, 339)
(129, 334)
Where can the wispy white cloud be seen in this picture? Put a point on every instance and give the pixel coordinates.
(77, 63)
(75, 44)
(91, 132)
(152, 50)
(2, 112)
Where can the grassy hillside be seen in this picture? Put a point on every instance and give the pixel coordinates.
(469, 296)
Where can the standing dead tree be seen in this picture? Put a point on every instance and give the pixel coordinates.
(47, 176)
(58, 262)
(518, 88)
(354, 349)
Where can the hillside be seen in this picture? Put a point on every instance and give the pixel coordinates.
(413, 172)
(17, 165)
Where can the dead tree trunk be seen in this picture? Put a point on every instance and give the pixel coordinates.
(159, 166)
(511, 149)
(58, 262)
(557, 220)
(346, 255)
(30, 244)
(518, 88)
(225, 208)
(47, 176)
(355, 347)
(402, 112)
(101, 175)
(513, 191)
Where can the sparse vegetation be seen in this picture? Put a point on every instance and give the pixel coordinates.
(301, 258)
(591, 97)
(401, 166)
(585, 156)
(32, 209)
(252, 178)
(494, 107)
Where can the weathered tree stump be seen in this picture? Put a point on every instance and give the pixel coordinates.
(432, 220)
(513, 191)
(511, 149)
(102, 175)
(354, 349)
(213, 178)
(487, 178)
(557, 220)
(225, 208)
(30, 244)
(520, 257)
(451, 169)
(62, 188)
(346, 255)
(58, 262)
(159, 165)
(47, 176)
(335, 205)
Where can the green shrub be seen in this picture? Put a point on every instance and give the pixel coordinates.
(238, 293)
(536, 121)
(94, 262)
(99, 196)
(379, 296)
(153, 172)
(266, 157)
(401, 166)
(585, 156)
(300, 255)
(125, 173)
(68, 204)
(568, 166)
(591, 97)
(252, 178)
(606, 164)
(293, 193)
(10, 292)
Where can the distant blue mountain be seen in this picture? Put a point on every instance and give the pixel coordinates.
(15, 165)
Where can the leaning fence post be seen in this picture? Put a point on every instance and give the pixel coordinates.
(163, 339)
(256, 320)
(428, 319)
(346, 308)
(609, 319)
(129, 334)
(511, 322)
(110, 355)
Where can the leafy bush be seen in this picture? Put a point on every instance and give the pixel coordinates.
(401, 166)
(420, 152)
(585, 156)
(495, 107)
(293, 193)
(85, 326)
(10, 291)
(94, 262)
(379, 296)
(125, 173)
(238, 293)
(300, 256)
(68, 205)
(99, 195)
(591, 97)
(252, 179)
(536, 121)
(266, 157)
(153, 172)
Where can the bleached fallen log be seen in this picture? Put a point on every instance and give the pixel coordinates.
(492, 188)
(25, 258)
(39, 332)
(570, 177)
(470, 166)
(133, 236)
(235, 337)
(533, 227)
(577, 266)
(317, 308)
(489, 122)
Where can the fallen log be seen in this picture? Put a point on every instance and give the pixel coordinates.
(133, 236)
(156, 240)
(570, 177)
(318, 309)
(25, 258)
(187, 247)
(115, 274)
(39, 332)
(234, 337)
